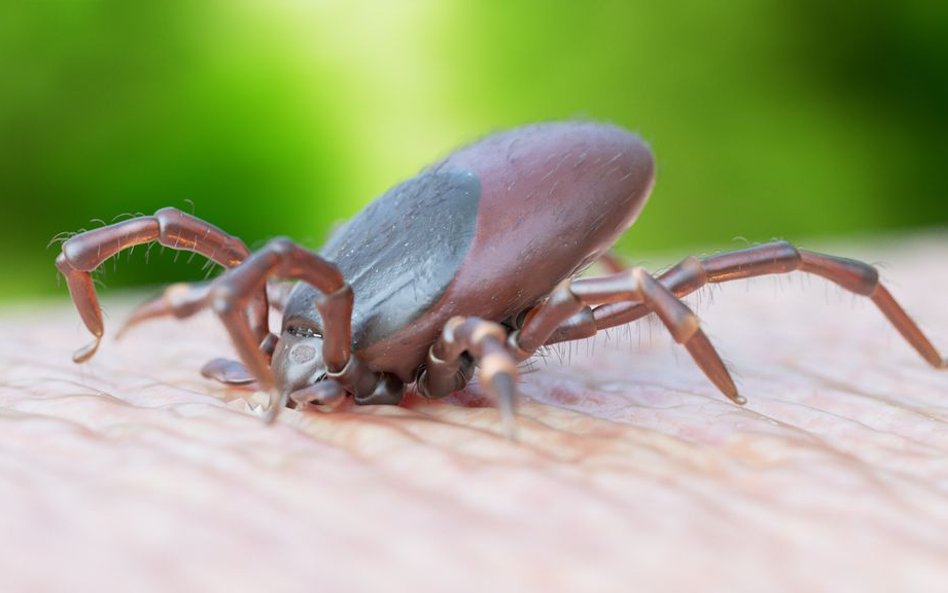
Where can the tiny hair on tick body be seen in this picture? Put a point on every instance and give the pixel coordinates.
(470, 267)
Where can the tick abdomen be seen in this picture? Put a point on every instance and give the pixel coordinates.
(553, 197)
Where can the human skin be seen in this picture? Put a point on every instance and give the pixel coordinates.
(133, 472)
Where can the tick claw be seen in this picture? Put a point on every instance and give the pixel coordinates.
(85, 353)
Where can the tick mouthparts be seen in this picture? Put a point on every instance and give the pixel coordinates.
(277, 403)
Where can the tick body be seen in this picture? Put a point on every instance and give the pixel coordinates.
(471, 264)
(536, 205)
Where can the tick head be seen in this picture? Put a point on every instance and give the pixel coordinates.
(298, 357)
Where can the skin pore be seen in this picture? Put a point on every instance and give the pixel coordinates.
(134, 472)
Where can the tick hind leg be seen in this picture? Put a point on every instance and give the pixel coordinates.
(566, 314)
(170, 227)
(611, 263)
(780, 258)
(465, 342)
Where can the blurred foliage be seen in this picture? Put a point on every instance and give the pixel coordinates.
(790, 119)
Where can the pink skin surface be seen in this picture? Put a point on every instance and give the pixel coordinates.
(134, 473)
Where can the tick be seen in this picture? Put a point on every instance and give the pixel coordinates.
(470, 266)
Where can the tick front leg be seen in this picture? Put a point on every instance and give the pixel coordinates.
(568, 307)
(780, 258)
(463, 343)
(170, 227)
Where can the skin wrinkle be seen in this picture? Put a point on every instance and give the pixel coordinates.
(630, 464)
(845, 420)
(835, 384)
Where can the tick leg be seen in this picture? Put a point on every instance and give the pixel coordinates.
(227, 371)
(449, 364)
(581, 324)
(283, 259)
(183, 299)
(569, 303)
(170, 227)
(780, 258)
(232, 372)
(563, 308)
(178, 300)
(612, 263)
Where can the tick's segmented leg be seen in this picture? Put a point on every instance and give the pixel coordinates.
(232, 372)
(563, 308)
(570, 303)
(612, 263)
(448, 369)
(225, 370)
(172, 228)
(581, 324)
(179, 300)
(780, 258)
(183, 299)
(283, 259)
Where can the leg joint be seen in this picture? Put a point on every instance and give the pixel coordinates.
(689, 275)
(222, 299)
(87, 250)
(281, 246)
(182, 231)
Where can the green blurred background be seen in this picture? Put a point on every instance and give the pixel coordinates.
(769, 119)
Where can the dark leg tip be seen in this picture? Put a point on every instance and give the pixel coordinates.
(86, 352)
(277, 403)
(505, 387)
(713, 367)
